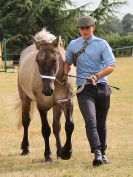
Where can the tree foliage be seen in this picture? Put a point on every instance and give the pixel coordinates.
(107, 8)
(112, 24)
(21, 18)
(128, 23)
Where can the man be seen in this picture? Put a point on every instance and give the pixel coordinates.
(94, 60)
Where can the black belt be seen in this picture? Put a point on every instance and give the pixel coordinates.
(98, 85)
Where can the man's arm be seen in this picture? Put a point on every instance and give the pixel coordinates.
(106, 71)
(66, 68)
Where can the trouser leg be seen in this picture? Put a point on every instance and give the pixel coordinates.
(102, 107)
(87, 108)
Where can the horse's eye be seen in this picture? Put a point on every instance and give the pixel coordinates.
(54, 61)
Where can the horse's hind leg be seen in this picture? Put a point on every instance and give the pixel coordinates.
(56, 128)
(66, 151)
(26, 103)
(46, 131)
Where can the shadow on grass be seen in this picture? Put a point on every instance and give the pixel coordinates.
(16, 163)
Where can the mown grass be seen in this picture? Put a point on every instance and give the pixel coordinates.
(120, 135)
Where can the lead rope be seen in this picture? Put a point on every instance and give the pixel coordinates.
(62, 83)
(117, 88)
(74, 94)
(78, 90)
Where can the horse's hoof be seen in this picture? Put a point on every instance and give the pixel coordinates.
(58, 157)
(48, 158)
(66, 153)
(58, 153)
(25, 152)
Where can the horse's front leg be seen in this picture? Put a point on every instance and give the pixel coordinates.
(56, 128)
(66, 151)
(46, 131)
(26, 102)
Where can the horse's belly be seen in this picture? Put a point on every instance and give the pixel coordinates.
(26, 87)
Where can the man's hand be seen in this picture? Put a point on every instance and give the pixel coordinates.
(92, 79)
(66, 69)
(65, 78)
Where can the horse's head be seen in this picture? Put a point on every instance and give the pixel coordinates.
(48, 63)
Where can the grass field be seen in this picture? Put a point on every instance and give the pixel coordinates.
(120, 135)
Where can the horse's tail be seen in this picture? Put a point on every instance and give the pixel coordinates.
(16, 108)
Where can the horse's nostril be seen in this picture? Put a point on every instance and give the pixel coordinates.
(47, 92)
(52, 91)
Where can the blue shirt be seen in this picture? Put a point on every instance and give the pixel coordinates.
(98, 55)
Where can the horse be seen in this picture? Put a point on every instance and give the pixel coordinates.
(40, 80)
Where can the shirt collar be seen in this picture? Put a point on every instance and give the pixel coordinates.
(89, 40)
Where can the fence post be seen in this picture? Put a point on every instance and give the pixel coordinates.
(5, 56)
(66, 40)
(0, 53)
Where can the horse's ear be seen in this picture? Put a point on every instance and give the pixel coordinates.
(56, 42)
(43, 42)
(33, 39)
(37, 43)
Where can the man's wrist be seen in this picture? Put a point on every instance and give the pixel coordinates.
(65, 73)
(97, 76)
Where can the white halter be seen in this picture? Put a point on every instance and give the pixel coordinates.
(47, 77)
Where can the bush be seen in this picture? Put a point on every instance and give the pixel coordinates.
(121, 45)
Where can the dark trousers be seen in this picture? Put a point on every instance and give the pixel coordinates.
(94, 103)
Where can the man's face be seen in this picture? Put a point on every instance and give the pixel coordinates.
(87, 31)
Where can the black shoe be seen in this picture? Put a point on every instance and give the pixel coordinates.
(105, 160)
(98, 158)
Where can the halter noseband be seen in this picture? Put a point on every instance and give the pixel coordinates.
(47, 77)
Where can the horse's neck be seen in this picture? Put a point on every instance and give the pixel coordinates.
(60, 72)
(62, 52)
(61, 63)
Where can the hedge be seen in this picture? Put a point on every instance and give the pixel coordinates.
(121, 45)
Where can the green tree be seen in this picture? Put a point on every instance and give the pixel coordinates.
(105, 10)
(16, 22)
(21, 18)
(127, 22)
(111, 25)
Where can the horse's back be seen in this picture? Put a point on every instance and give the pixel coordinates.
(28, 51)
(27, 70)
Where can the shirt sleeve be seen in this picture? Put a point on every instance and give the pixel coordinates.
(108, 56)
(69, 54)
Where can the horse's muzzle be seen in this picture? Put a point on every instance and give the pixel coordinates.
(48, 92)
